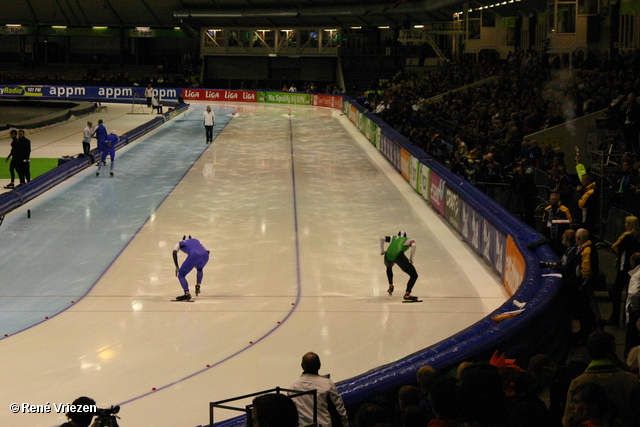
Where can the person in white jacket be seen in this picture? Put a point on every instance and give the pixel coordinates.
(632, 305)
(209, 123)
(327, 394)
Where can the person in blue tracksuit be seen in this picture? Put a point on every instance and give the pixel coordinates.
(109, 148)
(100, 133)
(197, 257)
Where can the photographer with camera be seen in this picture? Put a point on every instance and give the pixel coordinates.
(80, 419)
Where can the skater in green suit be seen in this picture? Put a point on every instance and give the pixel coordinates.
(394, 254)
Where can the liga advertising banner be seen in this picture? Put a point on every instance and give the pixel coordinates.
(493, 247)
(405, 164)
(436, 194)
(452, 207)
(352, 113)
(391, 150)
(424, 175)
(414, 174)
(219, 95)
(514, 268)
(332, 101)
(471, 226)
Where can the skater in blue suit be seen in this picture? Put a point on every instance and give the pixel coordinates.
(108, 149)
(197, 256)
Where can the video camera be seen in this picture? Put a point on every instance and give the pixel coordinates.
(107, 417)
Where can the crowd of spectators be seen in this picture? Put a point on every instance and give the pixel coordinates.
(601, 391)
(474, 117)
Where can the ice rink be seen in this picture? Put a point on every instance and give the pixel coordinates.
(290, 201)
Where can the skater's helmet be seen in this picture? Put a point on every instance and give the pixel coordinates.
(402, 233)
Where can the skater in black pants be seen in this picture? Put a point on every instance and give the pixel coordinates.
(394, 254)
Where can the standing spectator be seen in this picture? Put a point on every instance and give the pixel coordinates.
(24, 154)
(209, 123)
(632, 305)
(13, 166)
(588, 204)
(148, 93)
(109, 149)
(86, 141)
(293, 88)
(627, 244)
(631, 125)
(587, 272)
(327, 394)
(556, 219)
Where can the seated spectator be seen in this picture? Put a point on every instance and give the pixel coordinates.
(480, 396)
(621, 387)
(589, 406)
(370, 415)
(274, 410)
(156, 104)
(413, 416)
(443, 400)
(426, 376)
(542, 370)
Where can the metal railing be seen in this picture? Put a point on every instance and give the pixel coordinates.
(222, 404)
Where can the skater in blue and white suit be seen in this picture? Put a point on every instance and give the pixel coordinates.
(197, 256)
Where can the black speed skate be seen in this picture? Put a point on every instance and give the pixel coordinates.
(197, 290)
(185, 297)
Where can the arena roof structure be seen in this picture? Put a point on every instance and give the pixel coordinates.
(245, 13)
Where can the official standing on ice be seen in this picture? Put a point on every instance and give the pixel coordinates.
(86, 140)
(209, 123)
(197, 256)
